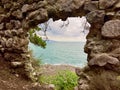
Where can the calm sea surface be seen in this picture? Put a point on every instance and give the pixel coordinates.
(71, 53)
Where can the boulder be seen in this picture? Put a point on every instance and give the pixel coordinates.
(96, 16)
(102, 60)
(95, 46)
(35, 17)
(111, 29)
(91, 6)
(68, 5)
(104, 4)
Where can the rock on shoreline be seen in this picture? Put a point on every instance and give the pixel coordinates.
(54, 69)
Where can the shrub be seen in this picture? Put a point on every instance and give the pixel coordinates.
(64, 80)
(35, 61)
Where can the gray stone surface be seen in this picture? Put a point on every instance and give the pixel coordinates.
(103, 59)
(111, 29)
(18, 16)
(104, 4)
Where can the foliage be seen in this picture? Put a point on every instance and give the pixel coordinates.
(35, 61)
(36, 39)
(64, 80)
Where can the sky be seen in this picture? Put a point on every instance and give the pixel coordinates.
(70, 30)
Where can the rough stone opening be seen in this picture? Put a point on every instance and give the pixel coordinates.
(103, 41)
(61, 36)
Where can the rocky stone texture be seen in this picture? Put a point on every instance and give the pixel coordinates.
(18, 16)
(111, 29)
(104, 4)
(102, 60)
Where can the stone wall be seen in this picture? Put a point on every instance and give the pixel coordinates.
(18, 16)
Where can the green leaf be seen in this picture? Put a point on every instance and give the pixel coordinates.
(36, 39)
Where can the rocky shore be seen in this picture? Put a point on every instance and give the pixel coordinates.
(54, 69)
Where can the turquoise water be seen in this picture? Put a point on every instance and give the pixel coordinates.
(71, 53)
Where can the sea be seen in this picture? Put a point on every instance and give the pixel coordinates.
(56, 53)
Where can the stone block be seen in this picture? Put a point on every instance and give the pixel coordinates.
(102, 60)
(111, 29)
(91, 6)
(104, 4)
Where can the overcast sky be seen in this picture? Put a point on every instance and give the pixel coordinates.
(71, 30)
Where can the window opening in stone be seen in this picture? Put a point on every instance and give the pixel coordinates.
(65, 42)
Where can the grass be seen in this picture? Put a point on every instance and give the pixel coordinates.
(64, 80)
(36, 62)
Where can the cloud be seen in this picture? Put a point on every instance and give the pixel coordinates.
(69, 30)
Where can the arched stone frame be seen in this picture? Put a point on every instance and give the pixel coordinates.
(18, 16)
